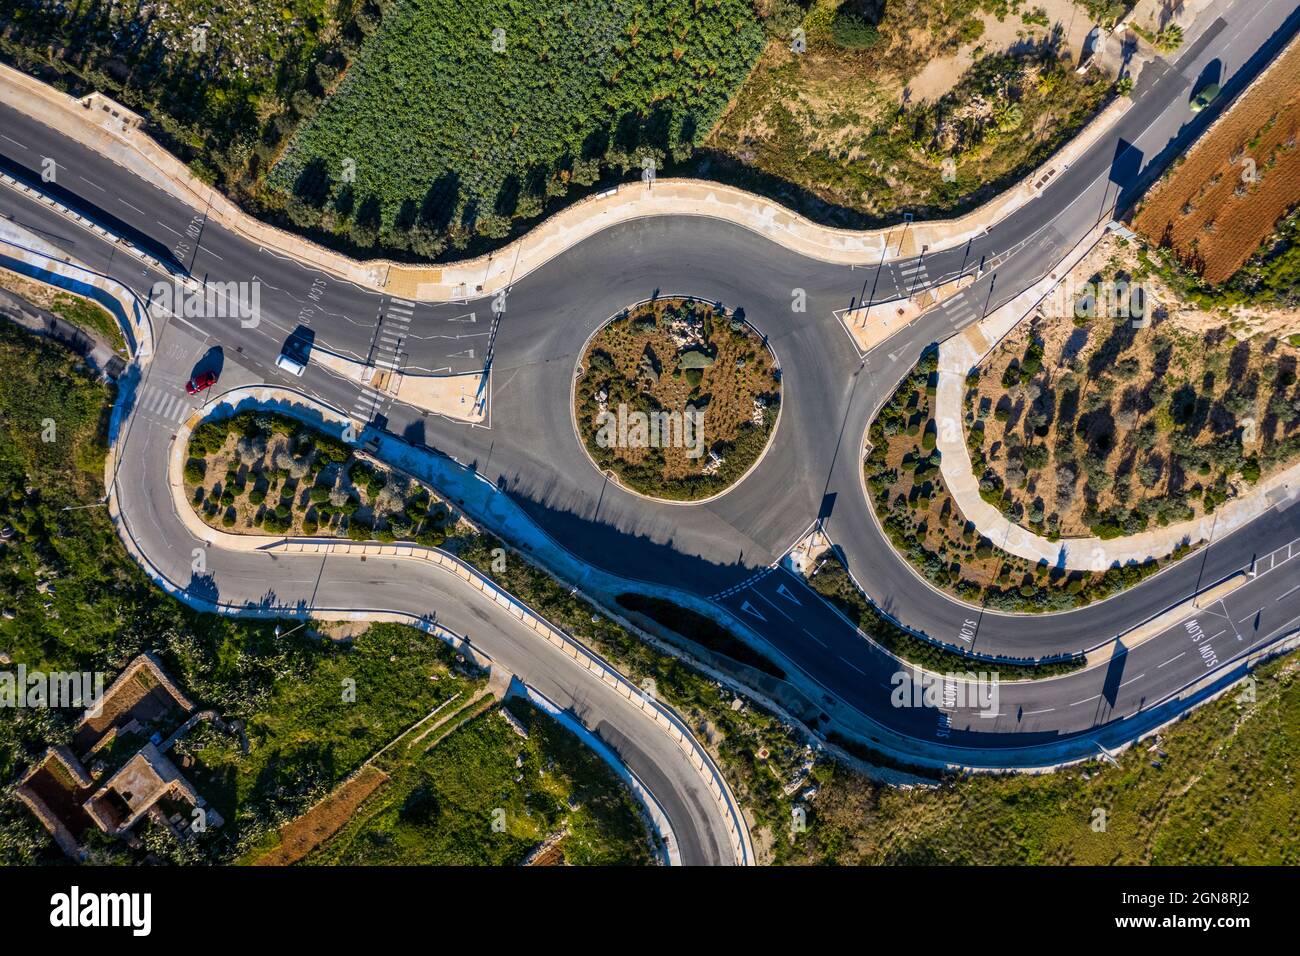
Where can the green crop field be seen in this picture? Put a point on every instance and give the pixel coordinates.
(457, 119)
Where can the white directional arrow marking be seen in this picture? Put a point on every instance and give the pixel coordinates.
(782, 590)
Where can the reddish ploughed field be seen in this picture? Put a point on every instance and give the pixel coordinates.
(1207, 210)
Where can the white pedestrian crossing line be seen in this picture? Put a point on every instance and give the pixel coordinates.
(169, 407)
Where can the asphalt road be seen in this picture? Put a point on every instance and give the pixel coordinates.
(813, 467)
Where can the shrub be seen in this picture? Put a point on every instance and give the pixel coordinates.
(852, 31)
(195, 470)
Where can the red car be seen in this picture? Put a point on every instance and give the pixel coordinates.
(201, 381)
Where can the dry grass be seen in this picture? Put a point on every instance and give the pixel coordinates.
(856, 136)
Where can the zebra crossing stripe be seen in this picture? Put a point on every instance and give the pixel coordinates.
(402, 301)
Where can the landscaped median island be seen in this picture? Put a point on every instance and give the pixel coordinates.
(677, 398)
(832, 581)
(265, 473)
(922, 520)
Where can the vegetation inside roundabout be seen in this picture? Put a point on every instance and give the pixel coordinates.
(677, 398)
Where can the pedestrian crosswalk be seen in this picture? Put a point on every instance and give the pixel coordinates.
(960, 310)
(161, 404)
(367, 404)
(913, 275)
(385, 353)
(394, 327)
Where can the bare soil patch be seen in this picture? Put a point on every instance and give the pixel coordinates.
(1226, 195)
(299, 837)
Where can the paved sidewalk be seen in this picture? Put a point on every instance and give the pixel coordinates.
(961, 353)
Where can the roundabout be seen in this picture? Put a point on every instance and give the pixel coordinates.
(522, 479)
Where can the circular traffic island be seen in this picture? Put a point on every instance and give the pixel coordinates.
(676, 399)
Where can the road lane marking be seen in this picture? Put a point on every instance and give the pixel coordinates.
(15, 142)
(128, 205)
(1132, 679)
(854, 666)
(782, 590)
(1078, 702)
(1030, 713)
(766, 601)
(1171, 660)
(1292, 591)
(814, 637)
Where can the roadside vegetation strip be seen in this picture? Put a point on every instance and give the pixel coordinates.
(833, 582)
(921, 519)
(75, 308)
(677, 397)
